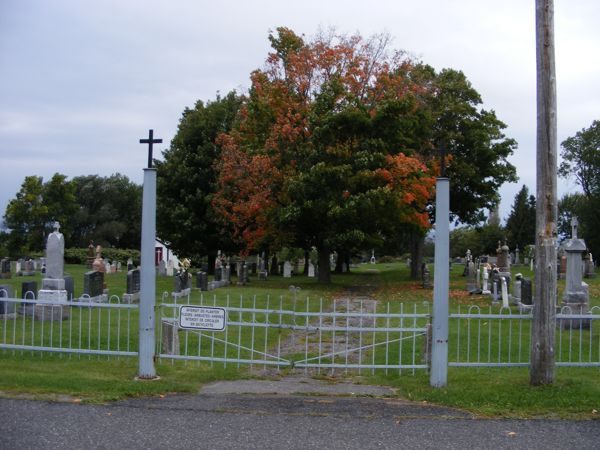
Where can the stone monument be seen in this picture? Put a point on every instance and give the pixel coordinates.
(53, 286)
(576, 295)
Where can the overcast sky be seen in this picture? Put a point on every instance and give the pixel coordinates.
(83, 81)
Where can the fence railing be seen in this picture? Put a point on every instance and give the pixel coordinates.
(482, 338)
(302, 334)
(81, 327)
(288, 332)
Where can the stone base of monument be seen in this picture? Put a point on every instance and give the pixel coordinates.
(103, 298)
(262, 275)
(28, 273)
(170, 337)
(575, 309)
(523, 308)
(182, 293)
(5, 276)
(131, 298)
(54, 313)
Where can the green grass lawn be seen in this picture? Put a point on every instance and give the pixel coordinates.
(486, 391)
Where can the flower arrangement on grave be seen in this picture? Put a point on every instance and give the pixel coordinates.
(183, 272)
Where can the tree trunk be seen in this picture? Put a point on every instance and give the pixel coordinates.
(274, 266)
(324, 269)
(541, 369)
(212, 257)
(306, 262)
(339, 261)
(347, 260)
(417, 242)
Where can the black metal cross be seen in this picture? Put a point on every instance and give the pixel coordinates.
(150, 141)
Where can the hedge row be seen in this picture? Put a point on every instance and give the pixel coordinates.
(80, 255)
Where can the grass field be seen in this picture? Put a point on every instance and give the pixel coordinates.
(487, 391)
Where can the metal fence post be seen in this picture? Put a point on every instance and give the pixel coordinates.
(439, 352)
(146, 367)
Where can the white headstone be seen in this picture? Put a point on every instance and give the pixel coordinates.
(311, 270)
(504, 292)
(170, 268)
(287, 269)
(55, 252)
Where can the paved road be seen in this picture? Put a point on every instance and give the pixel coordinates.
(251, 416)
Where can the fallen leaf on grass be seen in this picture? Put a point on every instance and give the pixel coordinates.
(511, 433)
(76, 400)
(594, 411)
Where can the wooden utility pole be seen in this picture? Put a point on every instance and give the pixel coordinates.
(544, 310)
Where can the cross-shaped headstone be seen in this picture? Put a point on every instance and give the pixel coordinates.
(574, 224)
(150, 141)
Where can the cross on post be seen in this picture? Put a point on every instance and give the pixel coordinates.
(150, 141)
(574, 224)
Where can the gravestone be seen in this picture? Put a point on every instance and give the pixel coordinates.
(227, 274)
(471, 275)
(53, 285)
(504, 292)
(170, 268)
(28, 292)
(590, 269)
(69, 287)
(576, 294)
(218, 273)
(516, 293)
(287, 269)
(202, 281)
(5, 268)
(311, 270)
(7, 309)
(129, 264)
(28, 268)
(526, 303)
(93, 285)
(517, 256)
(485, 287)
(133, 286)
(18, 268)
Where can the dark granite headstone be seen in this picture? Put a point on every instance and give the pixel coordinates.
(218, 273)
(93, 283)
(133, 281)
(29, 290)
(526, 294)
(69, 286)
(202, 281)
(5, 268)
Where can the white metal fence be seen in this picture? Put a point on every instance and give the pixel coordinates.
(492, 338)
(311, 335)
(81, 327)
(290, 333)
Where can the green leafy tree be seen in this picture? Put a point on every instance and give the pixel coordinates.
(581, 160)
(109, 211)
(186, 221)
(520, 225)
(26, 217)
(331, 124)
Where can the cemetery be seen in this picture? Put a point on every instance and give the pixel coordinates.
(310, 236)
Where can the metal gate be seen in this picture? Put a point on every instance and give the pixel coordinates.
(313, 335)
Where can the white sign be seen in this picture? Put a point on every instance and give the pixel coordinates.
(202, 318)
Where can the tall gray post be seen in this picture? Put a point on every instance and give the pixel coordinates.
(146, 367)
(148, 277)
(439, 351)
